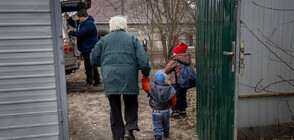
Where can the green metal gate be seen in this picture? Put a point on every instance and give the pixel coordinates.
(216, 30)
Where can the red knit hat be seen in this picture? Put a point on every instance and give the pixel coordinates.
(182, 48)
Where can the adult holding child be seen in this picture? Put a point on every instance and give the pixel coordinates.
(120, 55)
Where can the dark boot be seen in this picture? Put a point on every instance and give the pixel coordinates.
(175, 115)
(87, 87)
(157, 137)
(183, 113)
(118, 138)
(97, 83)
(166, 134)
(129, 135)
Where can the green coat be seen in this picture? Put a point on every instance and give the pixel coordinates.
(120, 55)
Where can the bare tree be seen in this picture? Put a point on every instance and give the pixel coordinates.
(163, 22)
(165, 19)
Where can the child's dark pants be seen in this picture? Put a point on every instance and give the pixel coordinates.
(181, 103)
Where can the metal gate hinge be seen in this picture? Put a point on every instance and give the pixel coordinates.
(60, 116)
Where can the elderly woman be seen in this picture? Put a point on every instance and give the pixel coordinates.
(120, 55)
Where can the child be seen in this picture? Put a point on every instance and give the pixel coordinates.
(174, 68)
(162, 98)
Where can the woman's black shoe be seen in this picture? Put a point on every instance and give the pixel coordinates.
(129, 135)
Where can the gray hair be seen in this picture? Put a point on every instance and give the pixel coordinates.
(118, 23)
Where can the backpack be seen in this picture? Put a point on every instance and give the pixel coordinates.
(161, 95)
(188, 76)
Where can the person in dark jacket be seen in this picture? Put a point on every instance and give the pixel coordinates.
(87, 37)
(174, 68)
(162, 98)
(120, 55)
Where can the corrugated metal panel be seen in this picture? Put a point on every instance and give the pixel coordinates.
(267, 30)
(216, 30)
(28, 98)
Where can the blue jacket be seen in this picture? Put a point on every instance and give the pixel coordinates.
(120, 55)
(87, 35)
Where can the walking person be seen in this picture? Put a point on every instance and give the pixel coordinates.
(87, 37)
(162, 98)
(174, 68)
(120, 55)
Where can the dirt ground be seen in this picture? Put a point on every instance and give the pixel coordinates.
(88, 113)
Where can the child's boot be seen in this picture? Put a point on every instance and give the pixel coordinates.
(166, 134)
(183, 113)
(175, 114)
(157, 137)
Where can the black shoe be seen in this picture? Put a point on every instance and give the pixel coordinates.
(88, 86)
(129, 135)
(157, 137)
(166, 134)
(175, 115)
(183, 113)
(118, 138)
(96, 83)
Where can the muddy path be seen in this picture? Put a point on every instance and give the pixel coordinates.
(88, 113)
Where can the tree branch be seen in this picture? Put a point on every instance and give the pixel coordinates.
(291, 72)
(285, 80)
(276, 46)
(266, 46)
(290, 110)
(263, 89)
(292, 21)
(270, 8)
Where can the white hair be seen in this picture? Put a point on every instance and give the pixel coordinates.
(118, 23)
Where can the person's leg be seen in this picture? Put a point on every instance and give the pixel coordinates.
(131, 112)
(96, 76)
(166, 123)
(175, 112)
(116, 120)
(181, 102)
(157, 123)
(88, 67)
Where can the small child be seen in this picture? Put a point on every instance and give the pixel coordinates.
(174, 68)
(162, 98)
